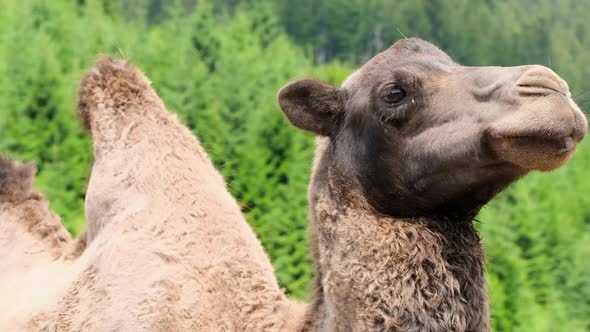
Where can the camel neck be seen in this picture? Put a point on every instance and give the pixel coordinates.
(380, 273)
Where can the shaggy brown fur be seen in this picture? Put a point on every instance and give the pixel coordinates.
(412, 146)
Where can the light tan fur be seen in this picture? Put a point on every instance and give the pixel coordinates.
(33, 242)
(168, 248)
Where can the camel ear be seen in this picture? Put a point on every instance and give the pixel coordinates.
(312, 105)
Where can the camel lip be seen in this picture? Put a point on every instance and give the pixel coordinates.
(534, 152)
(540, 137)
(566, 143)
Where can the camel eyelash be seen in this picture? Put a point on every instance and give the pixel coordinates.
(396, 113)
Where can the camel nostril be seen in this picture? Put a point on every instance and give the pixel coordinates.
(538, 88)
(540, 81)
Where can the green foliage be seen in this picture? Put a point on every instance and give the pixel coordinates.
(219, 64)
(537, 235)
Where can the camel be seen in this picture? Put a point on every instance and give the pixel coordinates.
(394, 189)
(33, 242)
(167, 247)
(409, 149)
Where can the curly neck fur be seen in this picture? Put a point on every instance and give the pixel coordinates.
(378, 273)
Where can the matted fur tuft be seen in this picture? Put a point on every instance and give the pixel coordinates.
(112, 84)
(28, 208)
(16, 179)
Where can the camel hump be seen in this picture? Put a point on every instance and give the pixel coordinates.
(110, 88)
(16, 179)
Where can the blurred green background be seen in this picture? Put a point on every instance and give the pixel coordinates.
(219, 64)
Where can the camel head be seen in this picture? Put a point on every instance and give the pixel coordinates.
(419, 134)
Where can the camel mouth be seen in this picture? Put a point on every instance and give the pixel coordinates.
(536, 152)
(540, 135)
(556, 146)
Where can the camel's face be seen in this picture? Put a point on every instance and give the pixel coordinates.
(422, 134)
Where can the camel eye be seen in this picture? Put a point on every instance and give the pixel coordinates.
(394, 94)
